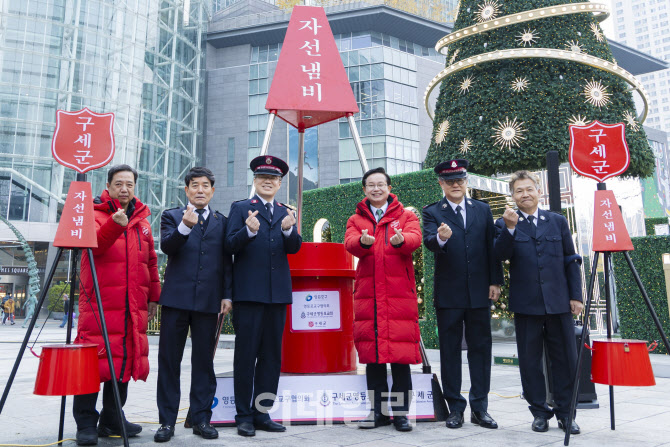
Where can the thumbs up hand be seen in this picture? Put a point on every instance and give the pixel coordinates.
(398, 238)
(367, 240)
(252, 222)
(190, 216)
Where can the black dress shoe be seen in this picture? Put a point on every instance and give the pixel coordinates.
(483, 419)
(455, 419)
(401, 423)
(106, 430)
(164, 433)
(269, 425)
(246, 429)
(374, 420)
(563, 423)
(205, 430)
(540, 424)
(87, 436)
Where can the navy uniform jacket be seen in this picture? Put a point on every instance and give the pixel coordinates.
(199, 271)
(260, 271)
(544, 270)
(465, 266)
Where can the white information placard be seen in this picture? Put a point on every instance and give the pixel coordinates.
(323, 399)
(316, 310)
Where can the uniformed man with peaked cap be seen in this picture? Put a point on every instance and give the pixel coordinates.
(460, 231)
(261, 233)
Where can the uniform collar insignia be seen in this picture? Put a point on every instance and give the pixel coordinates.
(542, 218)
(444, 206)
(469, 202)
(521, 218)
(254, 201)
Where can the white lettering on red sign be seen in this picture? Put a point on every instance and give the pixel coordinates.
(309, 47)
(598, 133)
(309, 91)
(87, 122)
(84, 139)
(314, 72)
(76, 233)
(600, 167)
(83, 155)
(310, 25)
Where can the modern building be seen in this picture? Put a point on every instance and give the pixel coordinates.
(645, 26)
(142, 60)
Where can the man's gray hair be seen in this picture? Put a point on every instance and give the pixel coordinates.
(523, 175)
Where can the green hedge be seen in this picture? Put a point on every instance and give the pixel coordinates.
(636, 322)
(649, 223)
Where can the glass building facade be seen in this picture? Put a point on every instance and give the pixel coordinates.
(141, 60)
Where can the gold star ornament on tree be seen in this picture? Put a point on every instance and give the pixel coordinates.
(441, 133)
(630, 120)
(528, 37)
(508, 133)
(466, 84)
(596, 94)
(520, 84)
(465, 146)
(487, 11)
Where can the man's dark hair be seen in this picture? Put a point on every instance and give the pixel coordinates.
(199, 171)
(119, 168)
(376, 171)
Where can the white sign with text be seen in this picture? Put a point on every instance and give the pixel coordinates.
(316, 311)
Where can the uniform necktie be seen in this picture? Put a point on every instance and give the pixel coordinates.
(532, 225)
(268, 206)
(379, 213)
(459, 215)
(201, 219)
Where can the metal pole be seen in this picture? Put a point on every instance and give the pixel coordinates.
(607, 256)
(357, 143)
(647, 301)
(580, 351)
(105, 336)
(266, 142)
(301, 166)
(43, 296)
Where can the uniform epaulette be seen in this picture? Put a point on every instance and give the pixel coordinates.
(434, 203)
(241, 200)
(290, 207)
(175, 208)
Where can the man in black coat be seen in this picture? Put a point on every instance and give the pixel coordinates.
(460, 232)
(198, 286)
(545, 291)
(261, 233)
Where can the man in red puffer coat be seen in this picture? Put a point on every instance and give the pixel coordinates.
(383, 235)
(126, 267)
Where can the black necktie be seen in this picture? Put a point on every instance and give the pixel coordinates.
(268, 206)
(202, 220)
(532, 225)
(459, 216)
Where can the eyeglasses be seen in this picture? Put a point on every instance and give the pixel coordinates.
(373, 186)
(271, 178)
(458, 181)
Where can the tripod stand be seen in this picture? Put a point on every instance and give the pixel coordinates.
(103, 326)
(607, 258)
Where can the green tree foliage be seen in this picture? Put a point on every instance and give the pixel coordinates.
(542, 96)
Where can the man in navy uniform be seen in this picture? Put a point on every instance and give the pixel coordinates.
(545, 291)
(198, 286)
(261, 232)
(460, 231)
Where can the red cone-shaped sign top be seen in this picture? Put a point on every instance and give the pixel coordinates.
(77, 223)
(310, 86)
(599, 150)
(609, 230)
(83, 140)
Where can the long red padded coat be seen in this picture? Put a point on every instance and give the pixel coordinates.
(386, 314)
(126, 266)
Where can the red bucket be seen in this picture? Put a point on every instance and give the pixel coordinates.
(622, 362)
(67, 370)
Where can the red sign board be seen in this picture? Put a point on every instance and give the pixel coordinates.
(83, 140)
(599, 150)
(609, 230)
(310, 86)
(76, 228)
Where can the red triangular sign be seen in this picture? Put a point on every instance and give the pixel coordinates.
(609, 230)
(77, 223)
(310, 86)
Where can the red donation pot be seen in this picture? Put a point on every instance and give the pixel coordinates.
(621, 362)
(319, 331)
(67, 370)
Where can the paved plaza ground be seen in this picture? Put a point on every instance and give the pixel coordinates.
(642, 414)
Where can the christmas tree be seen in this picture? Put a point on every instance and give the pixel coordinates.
(518, 73)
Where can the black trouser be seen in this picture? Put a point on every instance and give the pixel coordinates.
(400, 396)
(477, 323)
(85, 414)
(557, 334)
(174, 331)
(257, 359)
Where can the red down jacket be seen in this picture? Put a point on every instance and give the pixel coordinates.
(126, 266)
(386, 314)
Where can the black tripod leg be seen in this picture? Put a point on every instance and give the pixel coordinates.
(103, 325)
(580, 351)
(43, 296)
(647, 301)
(607, 258)
(74, 254)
